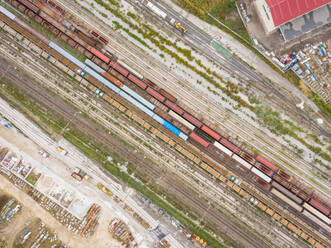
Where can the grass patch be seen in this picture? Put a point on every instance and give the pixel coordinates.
(32, 178)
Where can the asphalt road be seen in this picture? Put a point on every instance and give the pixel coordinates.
(202, 42)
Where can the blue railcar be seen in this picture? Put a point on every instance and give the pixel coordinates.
(171, 127)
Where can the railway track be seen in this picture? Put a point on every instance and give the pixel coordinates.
(83, 124)
(31, 89)
(220, 220)
(153, 175)
(233, 125)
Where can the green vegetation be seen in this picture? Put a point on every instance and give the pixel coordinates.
(32, 178)
(274, 122)
(253, 100)
(119, 26)
(324, 107)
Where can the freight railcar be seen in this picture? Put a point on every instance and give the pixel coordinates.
(286, 192)
(266, 163)
(284, 198)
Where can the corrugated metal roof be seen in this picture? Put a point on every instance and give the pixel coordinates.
(283, 11)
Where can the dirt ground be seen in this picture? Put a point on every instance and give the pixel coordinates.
(32, 210)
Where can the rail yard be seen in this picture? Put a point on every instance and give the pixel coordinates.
(207, 155)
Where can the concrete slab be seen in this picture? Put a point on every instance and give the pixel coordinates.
(306, 23)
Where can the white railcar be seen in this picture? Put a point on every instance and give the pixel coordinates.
(156, 10)
(242, 161)
(181, 120)
(261, 175)
(223, 148)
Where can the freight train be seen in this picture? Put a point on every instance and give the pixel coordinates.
(164, 16)
(114, 74)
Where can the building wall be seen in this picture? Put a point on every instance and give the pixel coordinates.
(265, 16)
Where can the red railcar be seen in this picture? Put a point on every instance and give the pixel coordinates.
(265, 169)
(100, 55)
(174, 107)
(103, 40)
(193, 120)
(262, 183)
(229, 145)
(137, 81)
(30, 5)
(199, 139)
(211, 132)
(119, 68)
(52, 21)
(76, 176)
(282, 181)
(56, 7)
(304, 195)
(266, 163)
(155, 94)
(22, 8)
(85, 37)
(319, 207)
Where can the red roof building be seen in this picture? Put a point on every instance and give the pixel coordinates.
(283, 11)
(274, 13)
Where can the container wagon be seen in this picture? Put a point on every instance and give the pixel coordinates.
(134, 72)
(261, 175)
(156, 10)
(223, 148)
(316, 220)
(181, 120)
